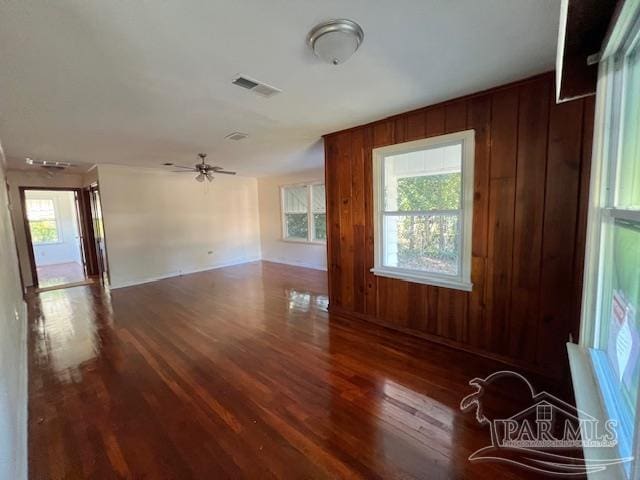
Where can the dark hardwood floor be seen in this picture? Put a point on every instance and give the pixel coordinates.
(241, 373)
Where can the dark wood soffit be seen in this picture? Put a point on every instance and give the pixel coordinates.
(587, 22)
(481, 93)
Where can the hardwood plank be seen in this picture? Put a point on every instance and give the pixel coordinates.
(333, 220)
(455, 117)
(558, 243)
(416, 123)
(479, 119)
(371, 286)
(435, 118)
(346, 227)
(358, 212)
(504, 129)
(533, 128)
(186, 378)
(383, 133)
(393, 301)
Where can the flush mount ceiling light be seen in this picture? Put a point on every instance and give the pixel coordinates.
(336, 40)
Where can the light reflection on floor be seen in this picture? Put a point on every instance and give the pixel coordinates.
(305, 301)
(66, 337)
(60, 274)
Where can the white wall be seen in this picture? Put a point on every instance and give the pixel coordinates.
(67, 249)
(20, 178)
(13, 350)
(274, 248)
(160, 224)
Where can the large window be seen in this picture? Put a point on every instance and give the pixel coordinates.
(423, 199)
(610, 329)
(43, 224)
(304, 217)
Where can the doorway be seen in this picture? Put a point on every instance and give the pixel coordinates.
(59, 231)
(97, 230)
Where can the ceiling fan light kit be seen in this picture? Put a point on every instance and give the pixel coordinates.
(203, 169)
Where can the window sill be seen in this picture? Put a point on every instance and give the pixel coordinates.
(589, 406)
(304, 242)
(423, 279)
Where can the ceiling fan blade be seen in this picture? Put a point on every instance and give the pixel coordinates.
(225, 172)
(182, 166)
(184, 171)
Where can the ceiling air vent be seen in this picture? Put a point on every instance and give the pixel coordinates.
(256, 86)
(48, 164)
(245, 83)
(236, 136)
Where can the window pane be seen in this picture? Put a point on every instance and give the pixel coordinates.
(616, 360)
(297, 226)
(318, 198)
(427, 243)
(295, 200)
(44, 231)
(40, 209)
(620, 326)
(425, 180)
(320, 226)
(628, 192)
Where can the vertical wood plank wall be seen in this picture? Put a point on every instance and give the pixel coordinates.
(532, 164)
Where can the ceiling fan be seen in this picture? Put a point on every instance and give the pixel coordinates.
(203, 169)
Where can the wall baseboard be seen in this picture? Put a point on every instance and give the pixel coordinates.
(296, 264)
(141, 281)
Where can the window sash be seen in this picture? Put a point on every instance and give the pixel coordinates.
(40, 209)
(462, 280)
(43, 211)
(402, 213)
(604, 211)
(310, 213)
(427, 214)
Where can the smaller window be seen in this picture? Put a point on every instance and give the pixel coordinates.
(423, 202)
(41, 214)
(304, 217)
(319, 213)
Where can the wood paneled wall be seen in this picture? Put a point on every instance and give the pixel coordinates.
(532, 164)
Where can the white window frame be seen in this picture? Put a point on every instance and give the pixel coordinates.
(56, 218)
(310, 225)
(603, 186)
(462, 281)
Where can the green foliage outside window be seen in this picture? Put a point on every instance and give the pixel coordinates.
(43, 231)
(297, 226)
(320, 226)
(432, 192)
(429, 242)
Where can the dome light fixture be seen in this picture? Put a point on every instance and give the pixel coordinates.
(336, 40)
